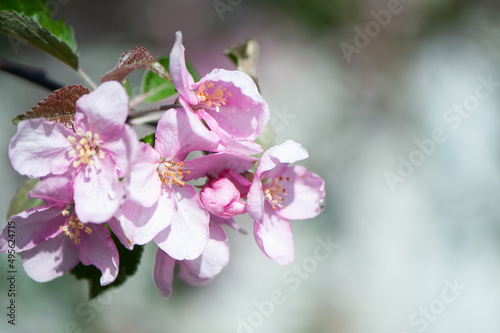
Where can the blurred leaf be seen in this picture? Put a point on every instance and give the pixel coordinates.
(59, 106)
(128, 88)
(129, 261)
(150, 138)
(20, 202)
(30, 21)
(158, 86)
(245, 56)
(266, 139)
(138, 57)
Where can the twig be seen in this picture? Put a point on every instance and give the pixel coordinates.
(143, 112)
(29, 73)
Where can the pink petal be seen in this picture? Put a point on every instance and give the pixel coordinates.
(229, 222)
(274, 237)
(180, 76)
(98, 249)
(145, 184)
(121, 232)
(32, 227)
(255, 200)
(98, 192)
(212, 164)
(305, 191)
(230, 143)
(239, 181)
(164, 272)
(180, 132)
(146, 223)
(245, 113)
(103, 111)
(122, 149)
(50, 259)
(40, 148)
(54, 190)
(211, 262)
(276, 158)
(187, 235)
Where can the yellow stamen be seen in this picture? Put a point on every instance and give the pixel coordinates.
(275, 193)
(85, 148)
(73, 227)
(214, 98)
(170, 172)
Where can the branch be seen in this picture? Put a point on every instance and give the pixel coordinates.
(29, 73)
(133, 115)
(140, 113)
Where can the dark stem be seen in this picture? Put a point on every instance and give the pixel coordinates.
(143, 112)
(29, 73)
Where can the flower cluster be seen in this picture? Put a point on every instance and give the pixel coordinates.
(98, 178)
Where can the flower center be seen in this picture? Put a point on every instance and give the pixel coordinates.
(73, 227)
(275, 193)
(170, 172)
(85, 147)
(215, 98)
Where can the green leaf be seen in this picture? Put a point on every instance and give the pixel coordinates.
(20, 202)
(266, 139)
(150, 138)
(158, 87)
(129, 261)
(30, 21)
(153, 82)
(128, 88)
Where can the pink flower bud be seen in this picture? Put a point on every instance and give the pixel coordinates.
(222, 199)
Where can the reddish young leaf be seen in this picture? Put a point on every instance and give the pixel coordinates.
(59, 106)
(138, 57)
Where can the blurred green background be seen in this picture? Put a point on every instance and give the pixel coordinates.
(420, 255)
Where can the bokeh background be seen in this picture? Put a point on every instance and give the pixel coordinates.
(422, 255)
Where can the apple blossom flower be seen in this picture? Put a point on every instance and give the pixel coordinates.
(230, 100)
(161, 205)
(53, 240)
(197, 271)
(96, 154)
(280, 193)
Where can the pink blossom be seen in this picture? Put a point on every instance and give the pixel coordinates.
(228, 101)
(52, 239)
(279, 193)
(96, 154)
(161, 205)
